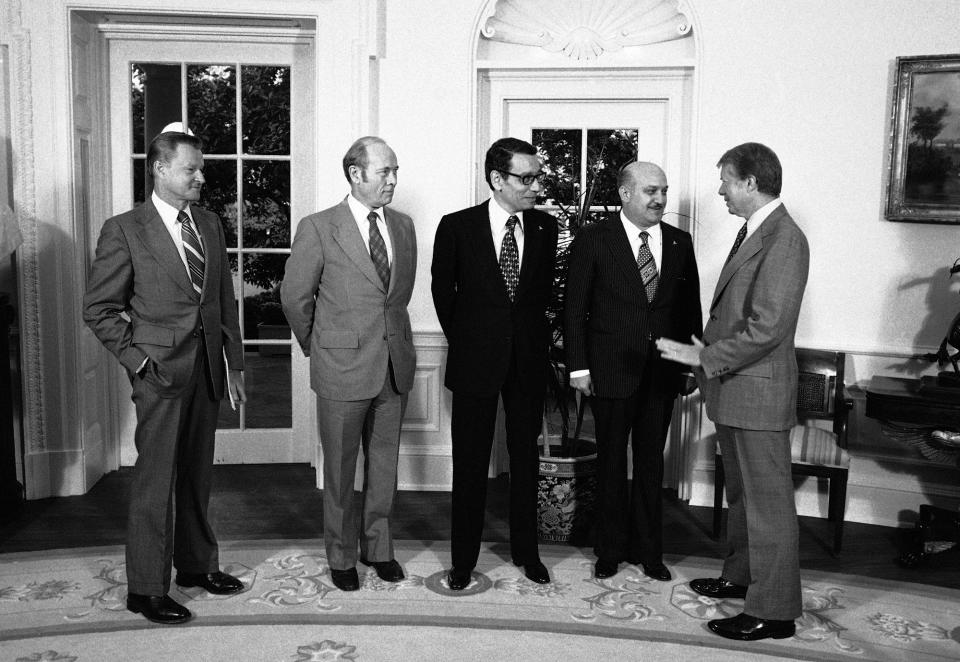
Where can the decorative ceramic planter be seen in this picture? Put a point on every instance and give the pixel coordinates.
(566, 492)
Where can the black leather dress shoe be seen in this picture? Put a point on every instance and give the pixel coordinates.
(603, 569)
(656, 571)
(458, 579)
(744, 627)
(345, 580)
(219, 583)
(718, 588)
(388, 571)
(535, 571)
(158, 608)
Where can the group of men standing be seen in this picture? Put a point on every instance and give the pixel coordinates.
(160, 297)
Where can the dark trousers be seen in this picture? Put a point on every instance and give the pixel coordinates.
(167, 513)
(629, 522)
(472, 428)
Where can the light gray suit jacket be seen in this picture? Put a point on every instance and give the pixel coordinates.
(138, 271)
(344, 319)
(749, 369)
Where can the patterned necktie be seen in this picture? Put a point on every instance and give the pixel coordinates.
(736, 244)
(193, 250)
(648, 268)
(378, 251)
(510, 258)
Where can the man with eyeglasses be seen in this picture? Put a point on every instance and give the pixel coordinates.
(492, 279)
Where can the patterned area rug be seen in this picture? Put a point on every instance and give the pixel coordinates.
(68, 606)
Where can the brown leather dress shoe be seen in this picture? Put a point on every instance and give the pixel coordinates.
(458, 579)
(744, 627)
(388, 571)
(718, 588)
(603, 569)
(158, 608)
(345, 580)
(218, 583)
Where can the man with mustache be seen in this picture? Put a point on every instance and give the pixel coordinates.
(160, 297)
(632, 279)
(492, 278)
(345, 292)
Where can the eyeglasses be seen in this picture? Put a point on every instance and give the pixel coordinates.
(526, 180)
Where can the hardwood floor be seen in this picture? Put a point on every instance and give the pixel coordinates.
(280, 502)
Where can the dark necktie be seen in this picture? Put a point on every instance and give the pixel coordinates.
(378, 251)
(510, 258)
(648, 268)
(193, 250)
(736, 244)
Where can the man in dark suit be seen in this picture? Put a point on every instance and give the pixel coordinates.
(492, 279)
(747, 369)
(160, 297)
(345, 293)
(631, 280)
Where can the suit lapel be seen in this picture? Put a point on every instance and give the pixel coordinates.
(481, 238)
(155, 237)
(532, 250)
(401, 241)
(619, 246)
(670, 260)
(211, 253)
(347, 236)
(750, 247)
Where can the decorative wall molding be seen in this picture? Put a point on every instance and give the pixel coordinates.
(585, 29)
(25, 206)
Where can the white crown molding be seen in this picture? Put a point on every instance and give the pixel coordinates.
(25, 207)
(586, 29)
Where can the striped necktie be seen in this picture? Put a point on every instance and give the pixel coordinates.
(378, 251)
(193, 250)
(647, 266)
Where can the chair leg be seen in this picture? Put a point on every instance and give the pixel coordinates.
(837, 507)
(718, 480)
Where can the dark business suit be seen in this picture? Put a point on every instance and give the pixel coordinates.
(610, 329)
(748, 378)
(495, 348)
(362, 364)
(138, 271)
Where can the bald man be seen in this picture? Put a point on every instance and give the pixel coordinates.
(632, 280)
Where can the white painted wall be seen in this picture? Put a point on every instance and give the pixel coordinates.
(811, 78)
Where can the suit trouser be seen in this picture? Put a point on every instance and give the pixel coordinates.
(473, 421)
(175, 440)
(762, 529)
(344, 426)
(629, 522)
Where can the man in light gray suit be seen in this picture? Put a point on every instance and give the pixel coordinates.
(747, 370)
(345, 293)
(160, 297)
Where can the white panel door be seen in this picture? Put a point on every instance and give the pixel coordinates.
(251, 104)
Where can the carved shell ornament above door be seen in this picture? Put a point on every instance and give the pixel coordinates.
(585, 29)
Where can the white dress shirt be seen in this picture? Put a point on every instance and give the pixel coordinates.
(759, 216)
(498, 228)
(360, 212)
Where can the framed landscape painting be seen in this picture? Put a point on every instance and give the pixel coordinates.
(925, 141)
